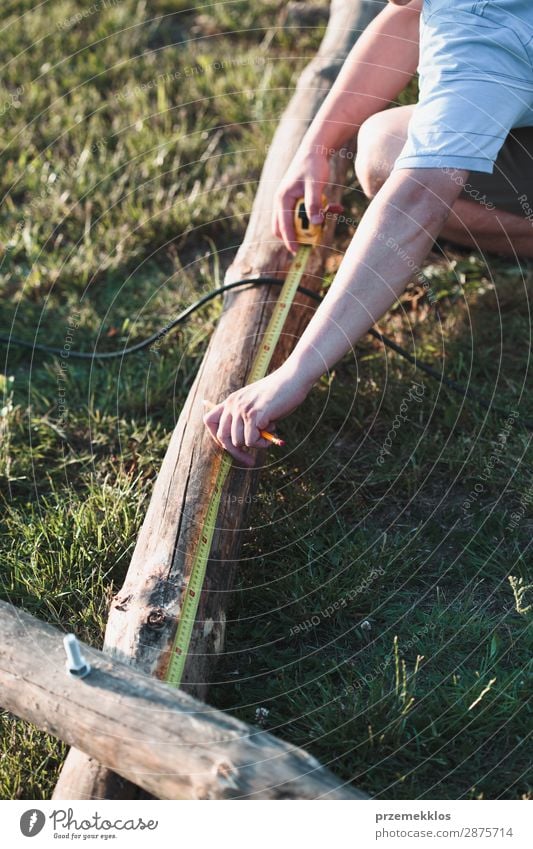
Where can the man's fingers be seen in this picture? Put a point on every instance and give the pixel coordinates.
(313, 201)
(224, 427)
(252, 436)
(286, 223)
(237, 431)
(224, 437)
(262, 421)
(233, 432)
(275, 223)
(238, 453)
(212, 418)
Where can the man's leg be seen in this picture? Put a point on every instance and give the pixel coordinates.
(472, 222)
(494, 230)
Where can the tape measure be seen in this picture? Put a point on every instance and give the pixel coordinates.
(308, 235)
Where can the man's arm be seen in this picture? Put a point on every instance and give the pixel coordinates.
(409, 211)
(392, 241)
(378, 68)
(393, 238)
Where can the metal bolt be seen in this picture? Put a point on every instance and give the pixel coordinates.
(76, 663)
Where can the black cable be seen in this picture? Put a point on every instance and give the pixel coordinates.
(140, 346)
(264, 281)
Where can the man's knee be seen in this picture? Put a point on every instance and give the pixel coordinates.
(379, 143)
(369, 166)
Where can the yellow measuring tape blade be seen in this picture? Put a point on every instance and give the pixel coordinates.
(191, 598)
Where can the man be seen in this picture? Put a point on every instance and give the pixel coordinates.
(447, 166)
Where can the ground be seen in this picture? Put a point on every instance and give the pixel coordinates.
(383, 614)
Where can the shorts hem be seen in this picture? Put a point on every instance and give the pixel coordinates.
(431, 160)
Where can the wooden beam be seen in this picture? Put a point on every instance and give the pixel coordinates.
(164, 740)
(144, 614)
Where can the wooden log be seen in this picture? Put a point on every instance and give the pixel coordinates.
(163, 739)
(144, 614)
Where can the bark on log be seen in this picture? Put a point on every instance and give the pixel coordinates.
(163, 739)
(143, 615)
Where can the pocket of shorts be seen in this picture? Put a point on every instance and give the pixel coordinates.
(453, 6)
(491, 11)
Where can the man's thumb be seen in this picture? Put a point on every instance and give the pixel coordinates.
(313, 202)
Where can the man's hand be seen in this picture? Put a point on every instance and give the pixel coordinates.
(236, 422)
(306, 177)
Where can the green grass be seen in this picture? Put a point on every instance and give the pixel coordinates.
(382, 623)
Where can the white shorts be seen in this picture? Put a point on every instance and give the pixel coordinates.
(476, 83)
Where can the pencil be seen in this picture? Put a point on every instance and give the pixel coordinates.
(270, 437)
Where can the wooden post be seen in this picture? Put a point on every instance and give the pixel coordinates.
(161, 738)
(144, 614)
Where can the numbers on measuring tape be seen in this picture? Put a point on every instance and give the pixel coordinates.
(191, 598)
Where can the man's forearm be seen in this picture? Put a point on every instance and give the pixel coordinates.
(392, 240)
(394, 237)
(380, 65)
